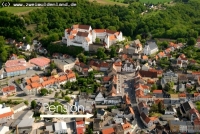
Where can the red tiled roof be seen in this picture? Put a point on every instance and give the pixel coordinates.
(109, 130)
(144, 57)
(182, 95)
(17, 62)
(117, 63)
(126, 126)
(40, 61)
(157, 91)
(112, 37)
(15, 68)
(35, 79)
(6, 114)
(100, 30)
(8, 89)
(131, 110)
(28, 87)
(35, 85)
(196, 73)
(107, 78)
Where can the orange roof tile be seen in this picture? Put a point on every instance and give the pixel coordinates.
(28, 87)
(35, 79)
(15, 68)
(71, 37)
(182, 95)
(9, 89)
(196, 94)
(127, 46)
(109, 130)
(126, 126)
(100, 30)
(196, 73)
(144, 57)
(8, 114)
(157, 91)
(35, 85)
(117, 63)
(112, 37)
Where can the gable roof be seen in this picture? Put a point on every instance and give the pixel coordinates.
(83, 34)
(148, 74)
(152, 45)
(8, 89)
(157, 91)
(145, 118)
(86, 27)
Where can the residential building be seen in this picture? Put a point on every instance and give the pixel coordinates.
(148, 74)
(35, 83)
(137, 44)
(25, 126)
(117, 66)
(101, 114)
(19, 107)
(6, 113)
(60, 127)
(108, 130)
(83, 68)
(113, 100)
(186, 107)
(104, 66)
(169, 77)
(167, 117)
(130, 67)
(150, 48)
(174, 126)
(99, 98)
(13, 57)
(148, 121)
(65, 64)
(145, 67)
(190, 127)
(158, 93)
(80, 127)
(9, 90)
(161, 55)
(26, 47)
(4, 129)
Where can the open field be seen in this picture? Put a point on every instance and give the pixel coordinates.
(109, 2)
(155, 1)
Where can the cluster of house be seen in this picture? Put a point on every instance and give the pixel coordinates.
(11, 119)
(15, 66)
(19, 119)
(19, 45)
(84, 36)
(117, 120)
(145, 97)
(32, 85)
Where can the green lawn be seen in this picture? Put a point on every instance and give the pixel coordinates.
(110, 2)
(155, 1)
(18, 10)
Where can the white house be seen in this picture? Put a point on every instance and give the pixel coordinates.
(60, 127)
(26, 47)
(84, 36)
(19, 107)
(6, 113)
(150, 48)
(146, 67)
(99, 98)
(4, 129)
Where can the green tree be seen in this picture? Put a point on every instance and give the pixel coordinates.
(67, 92)
(138, 37)
(26, 102)
(63, 94)
(68, 85)
(97, 40)
(101, 53)
(27, 39)
(67, 98)
(56, 95)
(169, 86)
(82, 57)
(52, 65)
(154, 87)
(191, 41)
(33, 104)
(43, 91)
(113, 52)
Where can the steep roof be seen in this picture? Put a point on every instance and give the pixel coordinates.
(83, 34)
(108, 130)
(152, 45)
(8, 89)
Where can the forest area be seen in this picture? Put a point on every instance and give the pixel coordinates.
(179, 21)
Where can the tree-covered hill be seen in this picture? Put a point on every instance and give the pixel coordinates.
(178, 21)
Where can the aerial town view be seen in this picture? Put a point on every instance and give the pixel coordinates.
(100, 67)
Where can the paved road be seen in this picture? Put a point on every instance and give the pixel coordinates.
(131, 92)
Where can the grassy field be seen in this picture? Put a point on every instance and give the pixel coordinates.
(109, 2)
(155, 1)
